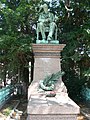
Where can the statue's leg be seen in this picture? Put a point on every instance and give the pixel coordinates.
(42, 30)
(51, 31)
(37, 31)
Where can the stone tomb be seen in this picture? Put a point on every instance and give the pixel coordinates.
(40, 107)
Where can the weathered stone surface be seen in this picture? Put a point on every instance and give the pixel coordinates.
(40, 104)
(40, 107)
(52, 117)
(47, 50)
(45, 61)
(44, 67)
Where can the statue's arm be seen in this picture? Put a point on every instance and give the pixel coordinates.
(41, 19)
(52, 18)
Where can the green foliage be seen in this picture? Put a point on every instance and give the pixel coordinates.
(76, 55)
(74, 84)
(17, 19)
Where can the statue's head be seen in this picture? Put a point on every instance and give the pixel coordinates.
(44, 7)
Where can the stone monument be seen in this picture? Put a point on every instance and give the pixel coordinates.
(47, 95)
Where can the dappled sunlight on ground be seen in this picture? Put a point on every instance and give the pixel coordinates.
(81, 117)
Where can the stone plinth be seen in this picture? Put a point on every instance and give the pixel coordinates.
(41, 107)
(60, 107)
(47, 50)
(52, 117)
(46, 59)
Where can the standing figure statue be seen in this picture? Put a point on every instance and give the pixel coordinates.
(46, 20)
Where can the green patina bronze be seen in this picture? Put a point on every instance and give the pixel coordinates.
(46, 23)
(48, 84)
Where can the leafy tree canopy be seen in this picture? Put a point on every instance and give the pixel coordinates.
(18, 20)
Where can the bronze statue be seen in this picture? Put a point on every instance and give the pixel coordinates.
(46, 22)
(48, 84)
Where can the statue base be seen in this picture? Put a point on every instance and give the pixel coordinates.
(49, 105)
(41, 107)
(46, 42)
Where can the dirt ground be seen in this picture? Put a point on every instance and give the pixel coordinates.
(9, 106)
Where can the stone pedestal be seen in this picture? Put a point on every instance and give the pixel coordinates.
(46, 60)
(60, 107)
(40, 107)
